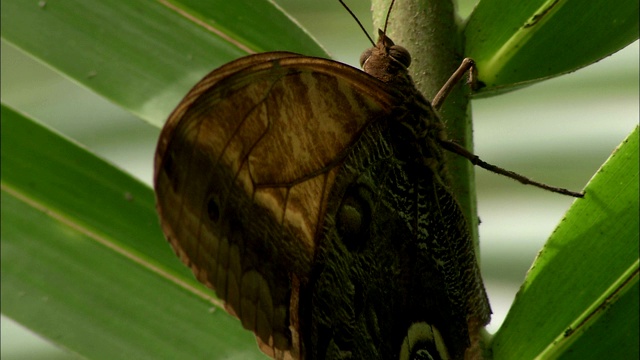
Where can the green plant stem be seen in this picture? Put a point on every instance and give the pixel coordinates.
(430, 31)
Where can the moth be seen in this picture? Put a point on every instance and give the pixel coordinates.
(313, 198)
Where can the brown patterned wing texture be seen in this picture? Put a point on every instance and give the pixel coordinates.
(243, 171)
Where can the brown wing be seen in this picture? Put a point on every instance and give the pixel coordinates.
(243, 170)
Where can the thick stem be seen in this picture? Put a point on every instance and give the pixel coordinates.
(429, 29)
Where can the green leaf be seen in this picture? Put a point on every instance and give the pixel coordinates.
(516, 42)
(145, 55)
(84, 262)
(581, 294)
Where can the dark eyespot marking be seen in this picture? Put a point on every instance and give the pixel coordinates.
(424, 351)
(353, 219)
(423, 342)
(213, 208)
(168, 165)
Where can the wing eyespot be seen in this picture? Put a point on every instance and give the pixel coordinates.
(423, 354)
(353, 219)
(168, 166)
(423, 342)
(213, 208)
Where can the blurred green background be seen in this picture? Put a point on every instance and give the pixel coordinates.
(559, 132)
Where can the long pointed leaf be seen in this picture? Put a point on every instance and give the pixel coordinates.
(145, 55)
(84, 263)
(539, 39)
(588, 266)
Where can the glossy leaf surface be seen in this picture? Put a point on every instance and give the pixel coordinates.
(145, 55)
(585, 279)
(83, 258)
(544, 38)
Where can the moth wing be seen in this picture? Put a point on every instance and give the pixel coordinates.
(243, 170)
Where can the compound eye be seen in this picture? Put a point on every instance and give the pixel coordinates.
(365, 56)
(423, 342)
(401, 55)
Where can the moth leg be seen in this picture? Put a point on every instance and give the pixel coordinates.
(475, 160)
(467, 65)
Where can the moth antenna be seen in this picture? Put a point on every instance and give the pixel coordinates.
(359, 23)
(386, 20)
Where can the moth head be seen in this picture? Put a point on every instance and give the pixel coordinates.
(386, 60)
